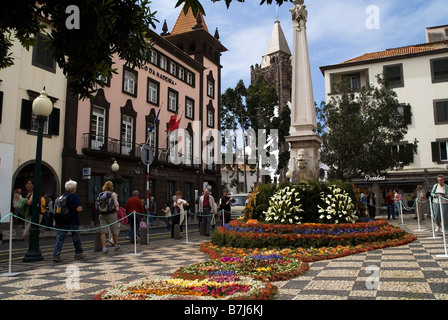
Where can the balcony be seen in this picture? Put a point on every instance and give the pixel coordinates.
(102, 146)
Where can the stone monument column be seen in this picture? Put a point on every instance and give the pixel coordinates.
(305, 144)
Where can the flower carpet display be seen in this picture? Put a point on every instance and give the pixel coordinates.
(247, 255)
(219, 286)
(266, 267)
(239, 234)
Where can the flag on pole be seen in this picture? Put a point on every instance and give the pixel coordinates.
(173, 124)
(154, 123)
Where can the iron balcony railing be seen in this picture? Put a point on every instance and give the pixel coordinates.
(92, 142)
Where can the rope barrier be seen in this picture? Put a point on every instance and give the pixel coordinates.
(108, 225)
(74, 230)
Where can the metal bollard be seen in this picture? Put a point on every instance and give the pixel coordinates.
(98, 246)
(143, 236)
(177, 235)
(201, 228)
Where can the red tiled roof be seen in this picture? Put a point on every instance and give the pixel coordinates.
(399, 51)
(184, 23)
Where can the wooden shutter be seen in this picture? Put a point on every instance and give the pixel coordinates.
(1, 105)
(407, 114)
(26, 114)
(54, 122)
(435, 148)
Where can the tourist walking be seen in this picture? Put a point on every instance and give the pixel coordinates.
(107, 206)
(70, 224)
(152, 210)
(134, 204)
(371, 203)
(43, 210)
(207, 208)
(167, 212)
(179, 212)
(51, 211)
(440, 195)
(28, 211)
(390, 204)
(224, 206)
(397, 200)
(420, 203)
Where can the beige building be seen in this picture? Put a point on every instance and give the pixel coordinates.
(419, 76)
(20, 84)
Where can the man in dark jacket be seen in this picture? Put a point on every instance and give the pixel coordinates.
(224, 204)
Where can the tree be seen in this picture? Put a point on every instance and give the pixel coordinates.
(364, 132)
(105, 28)
(283, 124)
(233, 114)
(261, 101)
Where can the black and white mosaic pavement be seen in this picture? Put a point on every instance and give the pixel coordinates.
(410, 271)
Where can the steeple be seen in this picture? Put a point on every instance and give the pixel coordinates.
(277, 43)
(190, 34)
(186, 23)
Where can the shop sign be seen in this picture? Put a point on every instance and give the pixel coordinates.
(373, 179)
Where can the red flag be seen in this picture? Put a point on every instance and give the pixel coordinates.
(173, 124)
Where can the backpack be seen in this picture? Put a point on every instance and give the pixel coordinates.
(104, 203)
(61, 211)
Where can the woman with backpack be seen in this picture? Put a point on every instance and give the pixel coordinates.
(69, 221)
(107, 205)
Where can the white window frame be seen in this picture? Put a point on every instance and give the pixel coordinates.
(210, 118)
(127, 134)
(189, 78)
(210, 88)
(35, 124)
(181, 73)
(153, 88)
(189, 106)
(153, 57)
(173, 68)
(152, 140)
(129, 82)
(163, 63)
(172, 100)
(98, 125)
(188, 149)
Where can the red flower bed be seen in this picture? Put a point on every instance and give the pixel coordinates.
(307, 254)
(242, 235)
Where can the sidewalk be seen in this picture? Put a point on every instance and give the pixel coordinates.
(407, 272)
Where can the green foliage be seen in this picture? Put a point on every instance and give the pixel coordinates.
(363, 123)
(106, 28)
(308, 197)
(265, 191)
(309, 193)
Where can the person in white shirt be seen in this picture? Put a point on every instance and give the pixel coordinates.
(439, 194)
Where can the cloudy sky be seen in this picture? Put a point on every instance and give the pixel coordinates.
(336, 30)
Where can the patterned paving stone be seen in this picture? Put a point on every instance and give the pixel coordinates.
(409, 272)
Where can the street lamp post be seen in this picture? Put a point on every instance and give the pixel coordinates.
(115, 167)
(42, 107)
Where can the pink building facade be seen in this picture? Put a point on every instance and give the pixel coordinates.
(183, 78)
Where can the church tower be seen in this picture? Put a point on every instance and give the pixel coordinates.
(276, 65)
